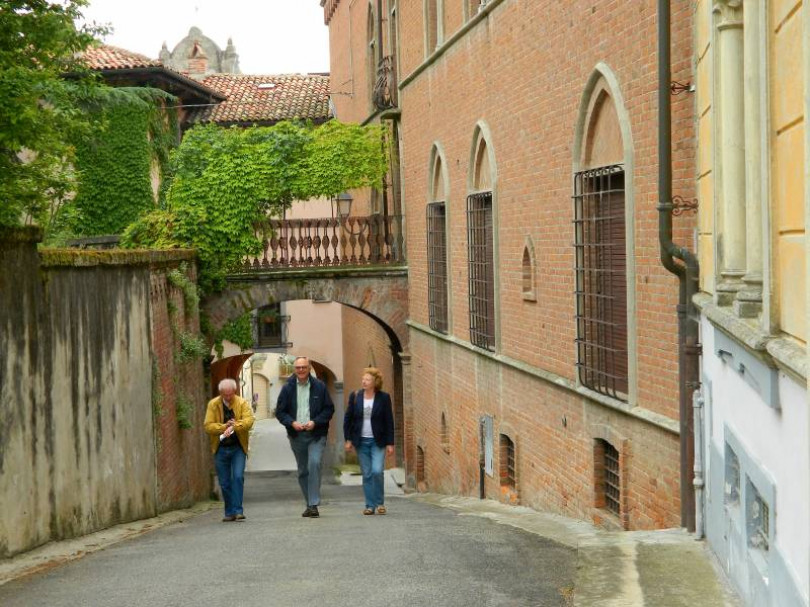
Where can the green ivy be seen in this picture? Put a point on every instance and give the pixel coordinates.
(225, 181)
(184, 409)
(134, 133)
(192, 347)
(191, 297)
(238, 331)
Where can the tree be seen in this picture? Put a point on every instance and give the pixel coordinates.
(41, 112)
(225, 181)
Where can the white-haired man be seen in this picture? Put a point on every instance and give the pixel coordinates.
(228, 420)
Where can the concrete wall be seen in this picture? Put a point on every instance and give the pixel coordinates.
(80, 448)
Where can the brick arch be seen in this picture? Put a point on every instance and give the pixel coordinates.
(382, 297)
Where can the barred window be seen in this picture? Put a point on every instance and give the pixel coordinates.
(420, 465)
(507, 455)
(608, 477)
(271, 326)
(601, 280)
(437, 266)
(481, 270)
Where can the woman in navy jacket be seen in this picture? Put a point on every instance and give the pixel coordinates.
(369, 427)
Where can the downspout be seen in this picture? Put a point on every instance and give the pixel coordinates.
(687, 272)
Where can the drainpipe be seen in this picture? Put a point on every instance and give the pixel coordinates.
(686, 271)
(697, 400)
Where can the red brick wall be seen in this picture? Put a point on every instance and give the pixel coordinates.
(522, 71)
(183, 457)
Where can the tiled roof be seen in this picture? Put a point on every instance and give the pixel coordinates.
(107, 57)
(264, 99)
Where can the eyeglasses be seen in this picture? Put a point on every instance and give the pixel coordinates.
(299, 368)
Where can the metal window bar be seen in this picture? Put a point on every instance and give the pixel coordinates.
(601, 280)
(437, 266)
(271, 327)
(420, 465)
(507, 462)
(612, 479)
(481, 270)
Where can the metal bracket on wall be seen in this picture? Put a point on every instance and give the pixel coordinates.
(681, 205)
(676, 88)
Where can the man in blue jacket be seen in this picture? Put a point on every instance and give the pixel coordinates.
(305, 408)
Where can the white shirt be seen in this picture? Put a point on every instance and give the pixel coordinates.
(368, 403)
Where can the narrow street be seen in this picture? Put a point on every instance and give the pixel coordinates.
(418, 554)
(429, 550)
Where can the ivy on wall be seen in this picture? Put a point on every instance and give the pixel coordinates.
(238, 331)
(225, 181)
(190, 346)
(134, 133)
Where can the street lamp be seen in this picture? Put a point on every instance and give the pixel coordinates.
(343, 204)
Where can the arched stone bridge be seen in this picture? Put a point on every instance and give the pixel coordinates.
(379, 291)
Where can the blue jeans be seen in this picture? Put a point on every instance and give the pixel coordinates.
(372, 462)
(308, 451)
(230, 465)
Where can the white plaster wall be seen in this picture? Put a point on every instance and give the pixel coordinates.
(777, 441)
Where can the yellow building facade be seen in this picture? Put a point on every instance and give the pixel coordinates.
(752, 62)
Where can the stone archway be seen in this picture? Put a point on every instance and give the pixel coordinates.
(382, 294)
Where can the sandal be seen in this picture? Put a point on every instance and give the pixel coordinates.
(381, 510)
(368, 511)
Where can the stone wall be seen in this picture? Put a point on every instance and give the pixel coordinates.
(85, 430)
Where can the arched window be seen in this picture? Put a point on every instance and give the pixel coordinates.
(420, 468)
(445, 434)
(437, 246)
(600, 241)
(528, 271)
(481, 247)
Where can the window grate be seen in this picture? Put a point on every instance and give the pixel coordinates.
(481, 270)
(601, 280)
(612, 478)
(437, 266)
(508, 476)
(271, 327)
(420, 465)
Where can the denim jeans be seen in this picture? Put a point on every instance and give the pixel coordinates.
(372, 462)
(308, 451)
(230, 465)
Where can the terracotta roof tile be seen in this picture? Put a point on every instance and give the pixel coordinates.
(262, 99)
(107, 57)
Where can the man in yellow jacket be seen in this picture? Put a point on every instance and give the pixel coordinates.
(228, 421)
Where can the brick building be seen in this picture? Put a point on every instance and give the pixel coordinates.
(543, 335)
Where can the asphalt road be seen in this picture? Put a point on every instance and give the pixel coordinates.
(418, 554)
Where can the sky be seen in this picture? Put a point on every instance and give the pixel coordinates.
(270, 36)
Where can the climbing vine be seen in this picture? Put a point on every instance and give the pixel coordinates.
(190, 345)
(225, 181)
(238, 331)
(136, 128)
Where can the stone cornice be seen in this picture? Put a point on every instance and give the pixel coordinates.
(774, 350)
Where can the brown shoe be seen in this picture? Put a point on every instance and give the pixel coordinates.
(381, 510)
(368, 511)
(228, 519)
(240, 517)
